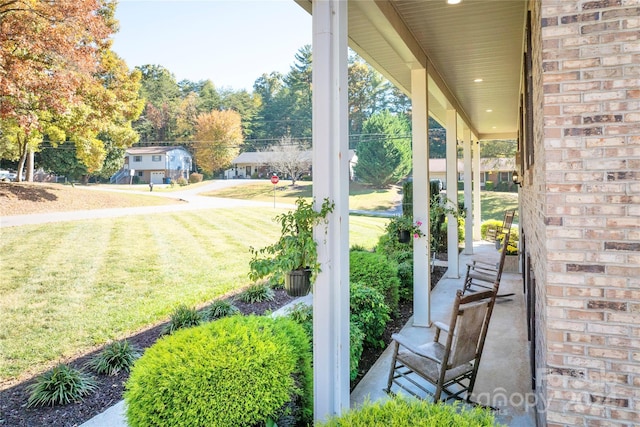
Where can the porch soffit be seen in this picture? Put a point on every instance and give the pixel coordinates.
(457, 43)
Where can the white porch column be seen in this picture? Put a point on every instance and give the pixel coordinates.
(420, 147)
(452, 193)
(477, 220)
(331, 179)
(468, 204)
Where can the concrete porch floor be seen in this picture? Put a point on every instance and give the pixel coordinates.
(503, 380)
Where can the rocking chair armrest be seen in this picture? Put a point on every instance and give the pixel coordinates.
(482, 264)
(440, 327)
(404, 341)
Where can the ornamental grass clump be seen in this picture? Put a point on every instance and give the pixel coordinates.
(257, 292)
(182, 317)
(114, 358)
(404, 411)
(236, 371)
(220, 309)
(60, 386)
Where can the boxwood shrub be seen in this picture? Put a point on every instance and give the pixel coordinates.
(376, 271)
(237, 371)
(369, 312)
(303, 315)
(404, 411)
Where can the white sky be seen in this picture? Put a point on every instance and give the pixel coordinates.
(230, 42)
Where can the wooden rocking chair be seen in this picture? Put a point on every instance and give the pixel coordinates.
(495, 233)
(450, 367)
(485, 274)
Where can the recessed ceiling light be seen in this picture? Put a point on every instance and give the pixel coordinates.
(493, 127)
(477, 80)
(489, 111)
(453, 1)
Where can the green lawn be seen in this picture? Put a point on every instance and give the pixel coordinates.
(360, 197)
(69, 287)
(493, 204)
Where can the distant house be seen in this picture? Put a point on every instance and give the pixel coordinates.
(256, 163)
(154, 165)
(495, 170)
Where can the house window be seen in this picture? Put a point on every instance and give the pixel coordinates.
(504, 177)
(137, 158)
(156, 158)
(140, 173)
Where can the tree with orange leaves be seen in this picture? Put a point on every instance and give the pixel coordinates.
(60, 80)
(217, 139)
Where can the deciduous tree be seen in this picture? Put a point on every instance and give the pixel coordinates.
(59, 79)
(291, 158)
(217, 139)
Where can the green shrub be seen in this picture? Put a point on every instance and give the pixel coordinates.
(302, 314)
(489, 185)
(356, 341)
(59, 386)
(115, 357)
(237, 371)
(376, 271)
(405, 274)
(182, 317)
(489, 223)
(257, 292)
(220, 309)
(195, 177)
(369, 312)
(403, 411)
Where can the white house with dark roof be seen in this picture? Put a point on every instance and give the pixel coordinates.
(154, 165)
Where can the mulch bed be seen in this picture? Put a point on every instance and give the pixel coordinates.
(13, 400)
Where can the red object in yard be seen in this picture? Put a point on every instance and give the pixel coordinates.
(275, 179)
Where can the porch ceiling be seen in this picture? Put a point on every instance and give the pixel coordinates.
(458, 44)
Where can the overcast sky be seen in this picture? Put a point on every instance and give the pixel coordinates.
(230, 42)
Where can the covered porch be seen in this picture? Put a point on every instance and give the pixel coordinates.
(457, 68)
(504, 377)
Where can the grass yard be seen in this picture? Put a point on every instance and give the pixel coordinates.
(360, 197)
(494, 203)
(70, 287)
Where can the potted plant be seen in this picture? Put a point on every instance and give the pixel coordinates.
(294, 256)
(404, 227)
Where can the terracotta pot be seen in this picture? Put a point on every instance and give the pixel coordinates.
(297, 283)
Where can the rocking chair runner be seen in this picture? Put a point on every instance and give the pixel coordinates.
(450, 367)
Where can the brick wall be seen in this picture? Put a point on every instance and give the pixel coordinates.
(580, 210)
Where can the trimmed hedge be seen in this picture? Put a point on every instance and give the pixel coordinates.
(404, 411)
(376, 271)
(237, 371)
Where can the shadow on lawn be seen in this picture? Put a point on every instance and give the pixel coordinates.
(27, 192)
